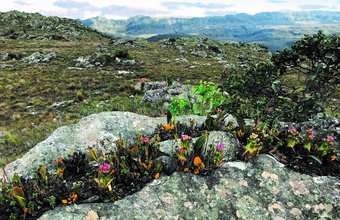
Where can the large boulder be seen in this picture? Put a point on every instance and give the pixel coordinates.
(263, 190)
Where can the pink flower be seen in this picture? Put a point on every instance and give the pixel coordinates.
(105, 168)
(220, 147)
(185, 137)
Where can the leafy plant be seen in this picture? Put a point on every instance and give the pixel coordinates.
(121, 53)
(261, 85)
(206, 95)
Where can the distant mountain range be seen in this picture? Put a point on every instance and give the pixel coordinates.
(275, 30)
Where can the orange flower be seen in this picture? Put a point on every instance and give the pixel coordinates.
(198, 161)
(142, 80)
(26, 210)
(167, 127)
(196, 171)
(133, 148)
(186, 169)
(156, 176)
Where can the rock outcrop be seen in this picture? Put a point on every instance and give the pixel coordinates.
(264, 190)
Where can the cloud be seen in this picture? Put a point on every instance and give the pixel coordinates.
(220, 13)
(72, 4)
(85, 10)
(312, 7)
(130, 11)
(179, 5)
(21, 3)
(273, 1)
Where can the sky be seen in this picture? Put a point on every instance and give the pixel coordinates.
(84, 9)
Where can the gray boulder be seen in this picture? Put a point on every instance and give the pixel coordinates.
(234, 190)
(137, 42)
(181, 60)
(99, 60)
(13, 56)
(38, 57)
(199, 54)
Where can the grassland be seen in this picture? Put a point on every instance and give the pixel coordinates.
(41, 85)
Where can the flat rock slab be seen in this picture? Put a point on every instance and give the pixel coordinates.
(236, 190)
(103, 128)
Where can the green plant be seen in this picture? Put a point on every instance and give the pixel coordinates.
(121, 53)
(255, 139)
(198, 159)
(206, 95)
(177, 106)
(169, 81)
(128, 42)
(262, 88)
(321, 81)
(143, 44)
(216, 124)
(131, 56)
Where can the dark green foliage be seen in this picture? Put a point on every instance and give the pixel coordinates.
(43, 198)
(128, 42)
(171, 39)
(215, 49)
(182, 129)
(76, 166)
(261, 85)
(121, 54)
(169, 81)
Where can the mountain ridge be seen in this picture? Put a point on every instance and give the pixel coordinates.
(284, 29)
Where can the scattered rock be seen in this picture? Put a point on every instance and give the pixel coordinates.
(39, 57)
(181, 60)
(205, 48)
(13, 56)
(66, 28)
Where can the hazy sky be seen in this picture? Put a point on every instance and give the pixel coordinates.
(110, 9)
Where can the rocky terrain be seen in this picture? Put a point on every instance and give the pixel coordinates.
(275, 30)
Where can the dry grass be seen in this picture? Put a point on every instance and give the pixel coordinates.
(40, 85)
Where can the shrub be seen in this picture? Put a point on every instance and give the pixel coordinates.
(121, 54)
(261, 85)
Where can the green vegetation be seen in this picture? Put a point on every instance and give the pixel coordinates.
(27, 91)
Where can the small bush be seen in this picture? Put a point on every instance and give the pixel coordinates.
(121, 54)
